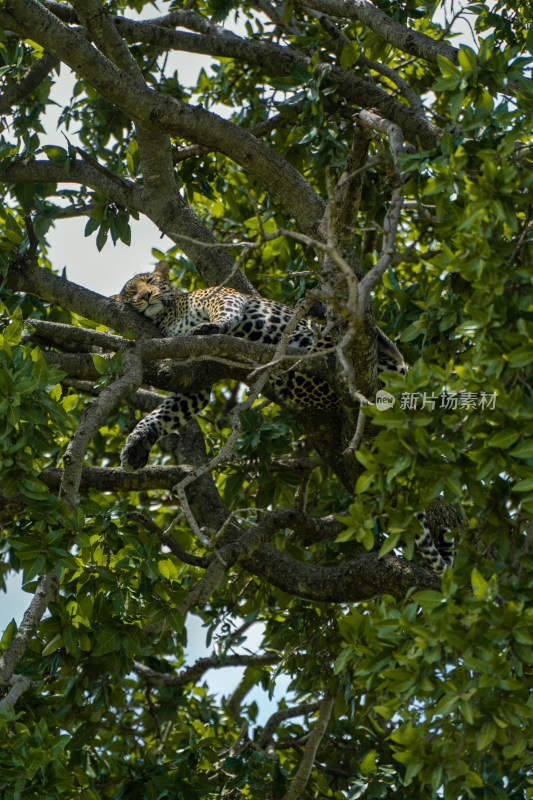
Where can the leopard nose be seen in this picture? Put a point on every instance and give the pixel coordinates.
(144, 294)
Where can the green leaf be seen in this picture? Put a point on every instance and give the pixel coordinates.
(168, 569)
(467, 59)
(69, 401)
(92, 224)
(56, 154)
(447, 68)
(101, 239)
(479, 584)
(107, 641)
(364, 482)
(7, 636)
(428, 598)
(523, 486)
(349, 55)
(53, 645)
(101, 364)
(503, 439)
(523, 450)
(341, 660)
(383, 711)
(368, 764)
(486, 735)
(521, 356)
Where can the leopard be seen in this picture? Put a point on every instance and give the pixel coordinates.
(223, 310)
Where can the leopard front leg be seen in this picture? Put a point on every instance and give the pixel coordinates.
(209, 328)
(173, 412)
(225, 309)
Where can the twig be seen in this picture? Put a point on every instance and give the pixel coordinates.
(358, 435)
(193, 673)
(28, 83)
(168, 540)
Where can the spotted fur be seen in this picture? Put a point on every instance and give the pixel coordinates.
(223, 310)
(437, 558)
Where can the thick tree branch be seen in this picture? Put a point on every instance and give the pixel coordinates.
(282, 60)
(29, 278)
(174, 218)
(80, 171)
(400, 36)
(410, 95)
(101, 29)
(19, 684)
(106, 479)
(61, 334)
(150, 108)
(159, 185)
(362, 578)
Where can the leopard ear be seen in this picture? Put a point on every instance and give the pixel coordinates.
(163, 268)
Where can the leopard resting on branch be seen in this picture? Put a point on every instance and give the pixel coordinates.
(227, 311)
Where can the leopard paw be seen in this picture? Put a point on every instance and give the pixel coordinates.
(135, 452)
(206, 329)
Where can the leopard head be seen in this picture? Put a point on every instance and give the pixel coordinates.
(146, 292)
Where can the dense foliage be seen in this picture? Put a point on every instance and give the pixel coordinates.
(398, 686)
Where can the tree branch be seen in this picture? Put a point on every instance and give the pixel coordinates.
(150, 108)
(19, 684)
(82, 171)
(299, 782)
(400, 36)
(27, 84)
(34, 280)
(17, 647)
(107, 479)
(101, 29)
(193, 673)
(282, 60)
(93, 418)
(277, 717)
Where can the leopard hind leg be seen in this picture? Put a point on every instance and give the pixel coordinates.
(173, 412)
(437, 558)
(305, 390)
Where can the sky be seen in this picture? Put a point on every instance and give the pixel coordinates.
(106, 272)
